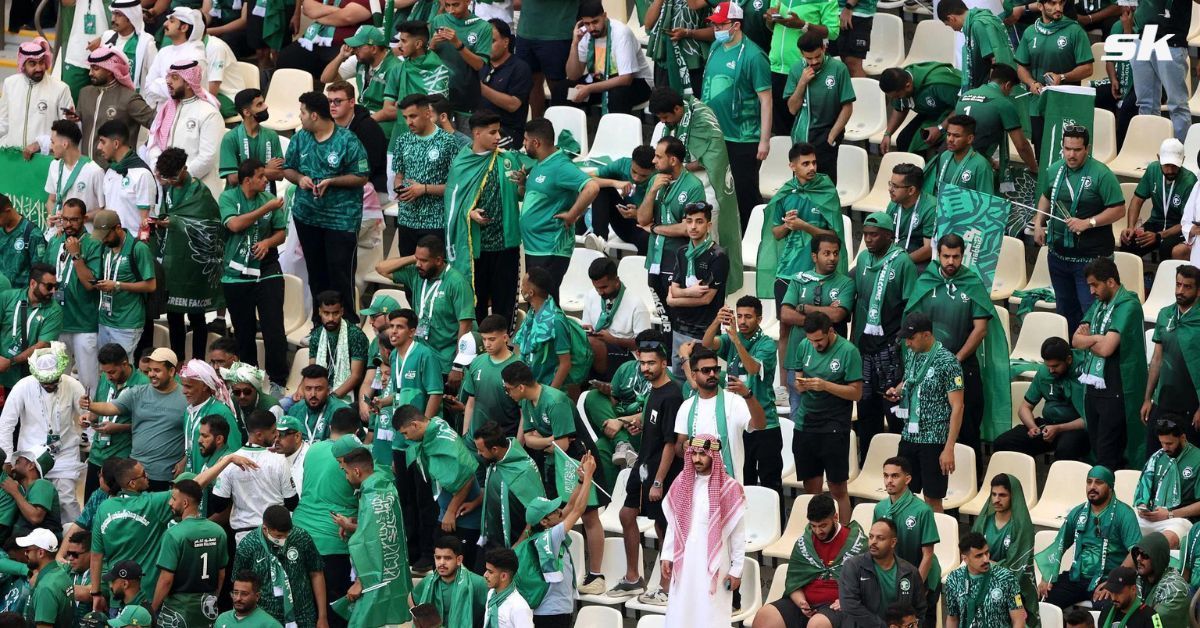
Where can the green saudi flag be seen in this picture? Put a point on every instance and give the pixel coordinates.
(981, 220)
(566, 477)
(23, 183)
(1062, 106)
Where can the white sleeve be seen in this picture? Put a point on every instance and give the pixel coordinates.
(737, 413)
(641, 318)
(625, 50)
(154, 83)
(737, 546)
(348, 67)
(216, 63)
(96, 181)
(591, 308)
(148, 62)
(52, 180)
(4, 116)
(582, 50)
(145, 191)
(10, 415)
(681, 416)
(1189, 215)
(223, 485)
(204, 162)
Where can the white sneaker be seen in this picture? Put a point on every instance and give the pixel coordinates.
(624, 455)
(594, 242)
(657, 597)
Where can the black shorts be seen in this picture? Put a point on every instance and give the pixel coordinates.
(793, 617)
(926, 469)
(637, 495)
(855, 41)
(547, 57)
(820, 453)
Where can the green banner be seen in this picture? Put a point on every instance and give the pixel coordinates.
(980, 219)
(1063, 106)
(24, 183)
(566, 477)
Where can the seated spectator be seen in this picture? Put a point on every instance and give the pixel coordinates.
(606, 62)
(611, 321)
(1060, 428)
(333, 22)
(366, 58)
(697, 289)
(1162, 587)
(1128, 610)
(1167, 185)
(980, 593)
(872, 583)
(623, 184)
(1166, 495)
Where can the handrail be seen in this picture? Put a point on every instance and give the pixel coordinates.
(37, 24)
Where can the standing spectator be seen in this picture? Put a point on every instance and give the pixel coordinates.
(789, 21)
(547, 544)
(255, 227)
(246, 593)
(985, 40)
(912, 212)
(249, 389)
(929, 90)
(127, 35)
(189, 120)
(706, 536)
(931, 404)
(44, 410)
(554, 347)
(250, 140)
(76, 259)
(191, 561)
(249, 493)
(286, 558)
(997, 115)
(1115, 91)
(77, 549)
(51, 603)
(333, 22)
(1153, 72)
(977, 580)
(32, 99)
(483, 384)
(737, 87)
(1168, 368)
(915, 530)
(207, 396)
(672, 189)
(622, 188)
(612, 322)
(821, 96)
(111, 94)
(337, 346)
(825, 289)
(130, 189)
(828, 379)
(23, 243)
(513, 483)
(556, 193)
(855, 23)
(959, 164)
(320, 404)
(113, 434)
(1060, 429)
(294, 448)
(366, 58)
(606, 62)
(30, 319)
(155, 410)
(1113, 366)
(698, 287)
(127, 273)
(357, 118)
(418, 167)
(1167, 185)
(421, 71)
(71, 176)
(463, 41)
(505, 83)
(1054, 51)
(731, 409)
(678, 44)
(329, 166)
(183, 32)
(544, 45)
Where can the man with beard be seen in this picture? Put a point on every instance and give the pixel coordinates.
(1167, 185)
(1005, 525)
(155, 410)
(248, 387)
(290, 442)
(512, 483)
(820, 94)
(376, 315)
(1162, 587)
(811, 592)
(50, 605)
(661, 211)
(130, 191)
(77, 550)
(444, 297)
(986, 41)
(191, 562)
(44, 410)
(214, 444)
(824, 288)
(125, 582)
(1165, 498)
(183, 34)
(207, 395)
(22, 241)
(872, 584)
(128, 35)
(319, 406)
(980, 594)
(30, 319)
(1171, 366)
(884, 276)
(1128, 609)
(190, 119)
(618, 78)
(71, 175)
(33, 99)
(623, 185)
(1103, 530)
(611, 328)
(250, 140)
(34, 496)
(421, 70)
(1060, 429)
(959, 164)
(730, 410)
(338, 346)
(453, 590)
(1113, 366)
(286, 558)
(967, 326)
(75, 255)
(915, 540)
(247, 590)
(913, 213)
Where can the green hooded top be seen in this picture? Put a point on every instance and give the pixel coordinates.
(1012, 545)
(818, 196)
(1169, 595)
(992, 352)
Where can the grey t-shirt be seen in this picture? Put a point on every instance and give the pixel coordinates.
(560, 597)
(157, 427)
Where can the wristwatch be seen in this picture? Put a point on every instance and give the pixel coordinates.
(1092, 222)
(656, 484)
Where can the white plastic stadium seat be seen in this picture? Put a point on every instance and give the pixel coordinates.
(946, 549)
(1050, 615)
(576, 282)
(1131, 269)
(1098, 71)
(616, 136)
(1191, 142)
(864, 514)
(1014, 463)
(932, 41)
(751, 591)
(877, 200)
(762, 529)
(598, 617)
(572, 119)
(869, 483)
(1039, 277)
(1017, 392)
(1127, 480)
(1036, 327)
(752, 238)
(775, 592)
(283, 98)
(652, 583)
(1104, 136)
(776, 169)
(1150, 131)
(610, 517)
(886, 49)
(1065, 489)
(869, 115)
(853, 174)
(632, 271)
(613, 569)
(1162, 291)
(652, 621)
(796, 524)
(1010, 269)
(961, 485)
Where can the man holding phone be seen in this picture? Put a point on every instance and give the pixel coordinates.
(623, 186)
(610, 319)
(661, 213)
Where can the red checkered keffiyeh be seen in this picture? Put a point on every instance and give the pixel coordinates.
(114, 61)
(201, 370)
(35, 49)
(193, 75)
(726, 504)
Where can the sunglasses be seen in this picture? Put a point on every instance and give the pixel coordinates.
(652, 345)
(709, 370)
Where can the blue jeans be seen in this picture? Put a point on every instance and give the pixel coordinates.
(127, 338)
(1150, 78)
(1071, 295)
(793, 393)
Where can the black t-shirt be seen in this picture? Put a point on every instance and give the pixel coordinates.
(374, 142)
(658, 427)
(514, 78)
(712, 269)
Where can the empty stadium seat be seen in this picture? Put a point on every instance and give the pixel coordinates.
(869, 483)
(1036, 327)
(886, 49)
(576, 283)
(283, 98)
(571, 119)
(1104, 136)
(617, 134)
(599, 617)
(613, 568)
(762, 529)
(869, 115)
(1039, 277)
(932, 41)
(775, 170)
(1149, 131)
(854, 180)
(1131, 269)
(797, 522)
(961, 487)
(1065, 489)
(1162, 291)
(1010, 269)
(752, 238)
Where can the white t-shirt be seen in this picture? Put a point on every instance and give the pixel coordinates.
(125, 194)
(296, 460)
(254, 490)
(630, 318)
(87, 187)
(220, 64)
(514, 612)
(627, 52)
(737, 421)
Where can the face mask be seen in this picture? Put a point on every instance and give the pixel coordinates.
(262, 116)
(722, 37)
(277, 542)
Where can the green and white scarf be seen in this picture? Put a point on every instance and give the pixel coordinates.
(1093, 367)
(338, 363)
(1059, 233)
(494, 602)
(277, 576)
(610, 69)
(607, 312)
(537, 329)
(1159, 484)
(318, 34)
(915, 372)
(882, 267)
(694, 251)
(722, 426)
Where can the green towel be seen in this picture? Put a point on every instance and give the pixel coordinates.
(1029, 298)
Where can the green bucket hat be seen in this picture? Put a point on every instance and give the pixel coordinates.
(536, 511)
(880, 220)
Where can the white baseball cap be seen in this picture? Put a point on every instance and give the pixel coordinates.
(39, 537)
(1170, 153)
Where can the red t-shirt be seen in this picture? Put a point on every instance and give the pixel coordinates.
(822, 591)
(342, 32)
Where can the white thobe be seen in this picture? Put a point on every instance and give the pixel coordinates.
(690, 603)
(27, 109)
(46, 419)
(77, 44)
(220, 67)
(198, 129)
(154, 84)
(1191, 214)
(144, 53)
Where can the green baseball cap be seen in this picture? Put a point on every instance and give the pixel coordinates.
(367, 36)
(132, 615)
(536, 511)
(381, 304)
(345, 445)
(186, 475)
(880, 220)
(289, 422)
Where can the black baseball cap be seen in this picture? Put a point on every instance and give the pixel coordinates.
(1120, 578)
(125, 570)
(916, 323)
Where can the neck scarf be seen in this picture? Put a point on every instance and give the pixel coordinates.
(517, 473)
(277, 577)
(943, 166)
(722, 427)
(916, 369)
(201, 370)
(1133, 607)
(1058, 229)
(494, 602)
(127, 163)
(1159, 484)
(726, 507)
(461, 599)
(537, 329)
(1047, 29)
(114, 61)
(318, 34)
(674, 14)
(63, 191)
(336, 358)
(610, 69)
(609, 310)
(1093, 365)
(164, 122)
(694, 251)
(883, 268)
(806, 566)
